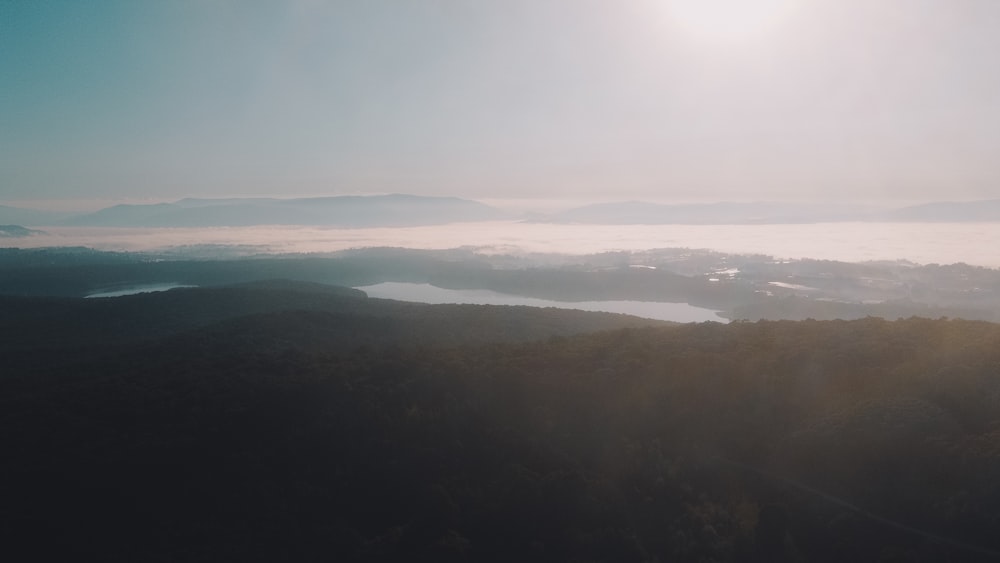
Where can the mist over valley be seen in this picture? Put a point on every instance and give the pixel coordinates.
(479, 282)
(487, 389)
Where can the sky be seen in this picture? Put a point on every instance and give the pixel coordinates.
(664, 100)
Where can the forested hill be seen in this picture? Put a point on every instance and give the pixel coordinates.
(275, 437)
(36, 332)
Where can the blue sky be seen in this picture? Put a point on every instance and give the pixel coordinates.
(828, 100)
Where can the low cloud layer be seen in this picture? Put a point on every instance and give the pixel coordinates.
(942, 243)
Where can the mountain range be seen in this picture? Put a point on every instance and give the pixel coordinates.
(647, 213)
(395, 210)
(402, 210)
(17, 231)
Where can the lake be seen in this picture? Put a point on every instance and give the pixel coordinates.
(426, 293)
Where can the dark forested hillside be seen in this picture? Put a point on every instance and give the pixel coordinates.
(316, 429)
(38, 332)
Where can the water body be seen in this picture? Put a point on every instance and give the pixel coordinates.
(135, 289)
(426, 293)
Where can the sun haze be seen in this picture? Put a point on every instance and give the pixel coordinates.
(727, 20)
(661, 100)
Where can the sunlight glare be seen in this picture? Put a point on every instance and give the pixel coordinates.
(727, 20)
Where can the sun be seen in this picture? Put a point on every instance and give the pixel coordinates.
(727, 20)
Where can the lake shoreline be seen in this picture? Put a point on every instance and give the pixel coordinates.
(427, 293)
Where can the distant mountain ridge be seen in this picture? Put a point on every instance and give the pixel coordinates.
(772, 213)
(395, 210)
(404, 210)
(641, 212)
(17, 231)
(949, 211)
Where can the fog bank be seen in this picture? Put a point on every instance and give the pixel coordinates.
(924, 243)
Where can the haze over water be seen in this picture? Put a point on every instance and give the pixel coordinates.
(924, 243)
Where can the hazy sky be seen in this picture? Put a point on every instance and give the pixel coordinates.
(650, 99)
